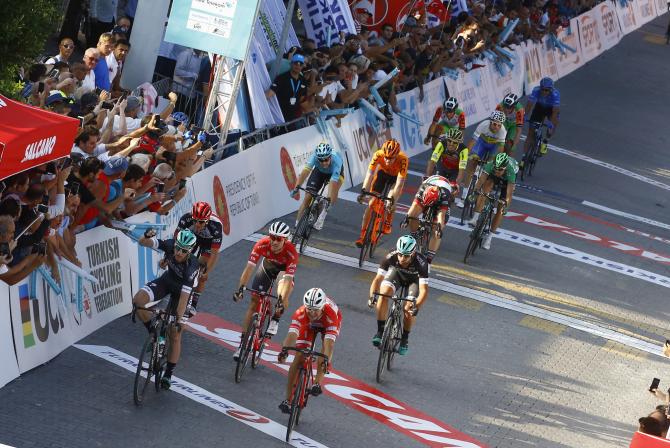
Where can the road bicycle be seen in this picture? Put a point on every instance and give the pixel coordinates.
(375, 225)
(392, 333)
(469, 201)
(154, 355)
(303, 384)
(530, 158)
(424, 232)
(483, 224)
(256, 335)
(306, 224)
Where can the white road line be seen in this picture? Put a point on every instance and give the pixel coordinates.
(206, 398)
(495, 300)
(642, 219)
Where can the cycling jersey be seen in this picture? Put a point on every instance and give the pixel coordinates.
(178, 275)
(396, 168)
(208, 239)
(483, 133)
(334, 168)
(456, 161)
(329, 323)
(443, 184)
(509, 176)
(551, 100)
(514, 118)
(416, 271)
(286, 260)
(456, 121)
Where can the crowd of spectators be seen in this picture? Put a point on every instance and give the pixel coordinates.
(657, 422)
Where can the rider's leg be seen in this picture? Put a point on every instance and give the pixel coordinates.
(292, 374)
(469, 171)
(142, 298)
(408, 319)
(303, 205)
(387, 289)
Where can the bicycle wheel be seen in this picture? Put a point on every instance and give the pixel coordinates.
(384, 348)
(533, 159)
(476, 234)
(161, 360)
(140, 385)
(258, 352)
(469, 206)
(367, 239)
(298, 236)
(245, 348)
(308, 226)
(396, 336)
(295, 403)
(376, 235)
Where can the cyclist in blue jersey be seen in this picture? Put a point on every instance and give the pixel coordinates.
(329, 166)
(543, 103)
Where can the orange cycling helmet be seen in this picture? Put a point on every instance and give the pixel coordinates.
(391, 148)
(201, 211)
(430, 196)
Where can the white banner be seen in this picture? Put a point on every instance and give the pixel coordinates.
(512, 82)
(362, 141)
(548, 58)
(627, 16)
(662, 7)
(646, 11)
(568, 62)
(326, 17)
(608, 25)
(267, 31)
(266, 111)
(532, 56)
(589, 36)
(10, 368)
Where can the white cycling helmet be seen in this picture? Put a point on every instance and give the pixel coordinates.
(314, 299)
(497, 116)
(279, 228)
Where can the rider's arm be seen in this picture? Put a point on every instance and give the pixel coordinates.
(400, 178)
(442, 217)
(462, 165)
(423, 293)
(289, 340)
(376, 282)
(149, 242)
(371, 171)
(509, 193)
(554, 117)
(303, 176)
(434, 158)
(461, 121)
(481, 180)
(529, 106)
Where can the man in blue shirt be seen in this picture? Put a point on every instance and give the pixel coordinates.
(101, 70)
(329, 166)
(543, 103)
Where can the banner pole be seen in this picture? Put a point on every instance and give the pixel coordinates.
(282, 40)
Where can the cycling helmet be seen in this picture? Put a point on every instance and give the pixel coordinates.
(180, 117)
(314, 299)
(455, 134)
(279, 228)
(186, 239)
(430, 196)
(391, 148)
(510, 100)
(323, 151)
(406, 245)
(201, 211)
(547, 83)
(451, 104)
(497, 116)
(501, 161)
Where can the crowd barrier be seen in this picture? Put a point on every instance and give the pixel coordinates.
(251, 188)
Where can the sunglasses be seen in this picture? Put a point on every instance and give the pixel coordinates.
(545, 90)
(182, 250)
(298, 63)
(327, 159)
(276, 238)
(202, 221)
(404, 256)
(68, 46)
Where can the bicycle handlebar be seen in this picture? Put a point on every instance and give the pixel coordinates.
(376, 195)
(260, 293)
(400, 299)
(314, 194)
(307, 352)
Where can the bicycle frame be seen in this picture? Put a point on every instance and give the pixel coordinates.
(425, 231)
(377, 215)
(393, 328)
(306, 224)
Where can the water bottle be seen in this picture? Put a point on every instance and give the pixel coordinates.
(161, 346)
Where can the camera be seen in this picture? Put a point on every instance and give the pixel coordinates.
(160, 124)
(40, 248)
(4, 249)
(107, 105)
(182, 183)
(160, 187)
(73, 188)
(42, 208)
(54, 73)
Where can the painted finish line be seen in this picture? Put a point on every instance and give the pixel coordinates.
(206, 398)
(347, 390)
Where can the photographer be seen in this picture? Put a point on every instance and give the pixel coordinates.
(33, 224)
(18, 271)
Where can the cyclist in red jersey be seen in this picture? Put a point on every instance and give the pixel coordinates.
(279, 255)
(317, 314)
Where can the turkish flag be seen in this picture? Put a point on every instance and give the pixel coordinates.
(30, 136)
(641, 440)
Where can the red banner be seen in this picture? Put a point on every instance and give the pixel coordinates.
(30, 137)
(380, 12)
(646, 441)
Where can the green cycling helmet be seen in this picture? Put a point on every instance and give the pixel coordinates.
(406, 245)
(501, 161)
(186, 239)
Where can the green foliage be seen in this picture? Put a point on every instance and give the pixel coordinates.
(25, 25)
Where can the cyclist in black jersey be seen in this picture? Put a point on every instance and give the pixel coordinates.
(401, 267)
(208, 231)
(177, 281)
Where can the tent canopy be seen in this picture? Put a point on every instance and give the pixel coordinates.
(646, 441)
(30, 137)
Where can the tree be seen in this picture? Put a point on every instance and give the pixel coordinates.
(24, 26)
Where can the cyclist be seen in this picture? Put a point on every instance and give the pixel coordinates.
(328, 164)
(318, 314)
(500, 172)
(401, 267)
(279, 255)
(453, 161)
(436, 193)
(209, 231)
(177, 281)
(392, 164)
(544, 102)
(514, 119)
(449, 116)
(489, 138)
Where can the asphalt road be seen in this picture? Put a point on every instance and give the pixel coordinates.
(504, 377)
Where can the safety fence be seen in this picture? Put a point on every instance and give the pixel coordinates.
(251, 188)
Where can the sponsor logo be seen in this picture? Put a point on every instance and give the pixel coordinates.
(378, 8)
(608, 20)
(589, 33)
(288, 170)
(409, 131)
(38, 149)
(2, 103)
(32, 322)
(221, 205)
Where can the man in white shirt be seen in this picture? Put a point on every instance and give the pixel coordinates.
(186, 71)
(115, 61)
(91, 57)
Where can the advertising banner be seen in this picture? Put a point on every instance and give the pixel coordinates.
(608, 24)
(568, 62)
(362, 141)
(267, 32)
(662, 6)
(10, 368)
(217, 26)
(512, 82)
(532, 57)
(646, 11)
(627, 15)
(325, 19)
(589, 35)
(548, 60)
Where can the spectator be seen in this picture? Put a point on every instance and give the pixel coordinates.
(84, 176)
(101, 69)
(290, 88)
(65, 50)
(59, 103)
(15, 273)
(32, 221)
(115, 62)
(91, 58)
(16, 186)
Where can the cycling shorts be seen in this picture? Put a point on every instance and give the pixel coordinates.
(383, 181)
(395, 280)
(450, 174)
(161, 287)
(483, 150)
(265, 276)
(541, 113)
(317, 180)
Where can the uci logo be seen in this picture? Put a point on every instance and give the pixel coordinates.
(409, 131)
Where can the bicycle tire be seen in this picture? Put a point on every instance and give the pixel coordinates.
(257, 354)
(367, 239)
(384, 348)
(476, 234)
(375, 241)
(295, 404)
(160, 363)
(308, 226)
(533, 160)
(138, 387)
(245, 349)
(397, 334)
(299, 235)
(468, 206)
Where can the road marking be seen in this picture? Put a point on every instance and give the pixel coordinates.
(535, 323)
(642, 219)
(206, 398)
(460, 302)
(621, 350)
(347, 390)
(496, 300)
